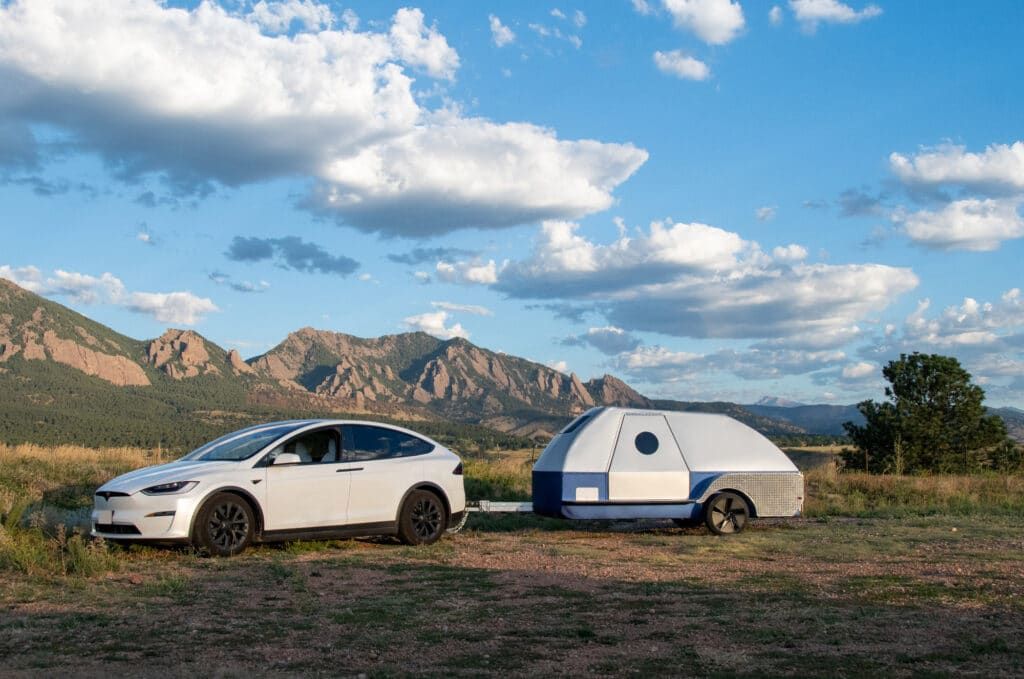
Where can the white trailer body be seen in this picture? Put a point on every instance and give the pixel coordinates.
(619, 463)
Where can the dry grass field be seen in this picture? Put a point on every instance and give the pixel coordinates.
(886, 576)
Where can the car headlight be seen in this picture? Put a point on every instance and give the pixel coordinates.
(170, 488)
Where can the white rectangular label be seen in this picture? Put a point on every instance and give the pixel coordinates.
(103, 516)
(587, 494)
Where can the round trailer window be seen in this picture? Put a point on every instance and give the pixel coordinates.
(646, 443)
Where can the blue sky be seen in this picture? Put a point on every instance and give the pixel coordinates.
(711, 199)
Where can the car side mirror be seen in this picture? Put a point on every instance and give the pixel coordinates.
(286, 458)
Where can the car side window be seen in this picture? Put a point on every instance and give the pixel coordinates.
(363, 442)
(315, 447)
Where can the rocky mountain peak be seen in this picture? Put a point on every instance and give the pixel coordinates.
(578, 393)
(611, 391)
(181, 354)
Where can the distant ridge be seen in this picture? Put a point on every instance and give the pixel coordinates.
(68, 377)
(777, 402)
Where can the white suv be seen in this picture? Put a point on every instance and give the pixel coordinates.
(290, 480)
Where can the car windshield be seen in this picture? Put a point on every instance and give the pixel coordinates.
(240, 445)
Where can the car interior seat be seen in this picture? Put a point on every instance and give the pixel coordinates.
(303, 452)
(332, 451)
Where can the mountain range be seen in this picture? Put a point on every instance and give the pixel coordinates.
(71, 379)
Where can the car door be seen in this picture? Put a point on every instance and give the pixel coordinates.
(312, 493)
(389, 464)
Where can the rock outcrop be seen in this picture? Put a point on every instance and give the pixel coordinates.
(239, 366)
(180, 354)
(611, 391)
(43, 334)
(118, 370)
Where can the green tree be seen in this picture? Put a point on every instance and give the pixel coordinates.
(1008, 457)
(934, 420)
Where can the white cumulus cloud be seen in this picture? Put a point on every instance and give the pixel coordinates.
(419, 45)
(500, 33)
(170, 307)
(181, 307)
(435, 323)
(969, 323)
(277, 17)
(680, 65)
(207, 97)
(997, 169)
(564, 263)
(443, 176)
(986, 336)
(971, 224)
(811, 13)
(560, 366)
(716, 22)
(482, 273)
(789, 253)
(696, 280)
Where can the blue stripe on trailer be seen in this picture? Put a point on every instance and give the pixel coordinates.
(547, 493)
(633, 511)
(551, 489)
(572, 481)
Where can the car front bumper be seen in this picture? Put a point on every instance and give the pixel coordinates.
(144, 517)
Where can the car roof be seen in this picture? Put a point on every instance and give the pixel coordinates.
(302, 424)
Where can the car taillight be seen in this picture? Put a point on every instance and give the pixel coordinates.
(458, 470)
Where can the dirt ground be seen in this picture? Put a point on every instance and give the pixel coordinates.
(520, 597)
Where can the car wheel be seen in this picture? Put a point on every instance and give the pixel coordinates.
(726, 513)
(423, 519)
(224, 526)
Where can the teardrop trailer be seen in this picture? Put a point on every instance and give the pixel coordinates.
(620, 463)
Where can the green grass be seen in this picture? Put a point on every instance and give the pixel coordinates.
(833, 494)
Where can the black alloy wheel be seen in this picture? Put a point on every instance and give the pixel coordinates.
(423, 519)
(225, 525)
(726, 514)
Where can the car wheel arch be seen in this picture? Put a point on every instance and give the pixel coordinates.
(433, 488)
(737, 491)
(253, 503)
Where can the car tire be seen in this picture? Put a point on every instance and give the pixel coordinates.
(224, 525)
(423, 519)
(726, 514)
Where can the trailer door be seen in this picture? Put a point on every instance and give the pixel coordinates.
(647, 464)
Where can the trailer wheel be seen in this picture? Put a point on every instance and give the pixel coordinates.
(726, 513)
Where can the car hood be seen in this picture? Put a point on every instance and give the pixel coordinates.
(182, 470)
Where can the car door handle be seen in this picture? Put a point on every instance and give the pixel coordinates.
(350, 469)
